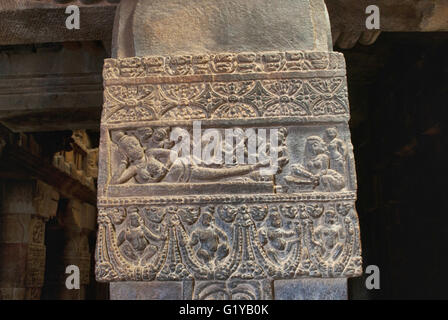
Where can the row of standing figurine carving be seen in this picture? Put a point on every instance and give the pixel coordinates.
(284, 241)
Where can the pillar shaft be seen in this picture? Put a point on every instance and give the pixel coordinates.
(226, 167)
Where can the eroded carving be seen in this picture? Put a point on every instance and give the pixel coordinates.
(324, 164)
(222, 63)
(211, 240)
(233, 290)
(135, 240)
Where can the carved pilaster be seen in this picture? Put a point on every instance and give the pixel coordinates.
(26, 206)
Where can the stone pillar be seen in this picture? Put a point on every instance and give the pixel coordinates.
(77, 222)
(25, 207)
(226, 169)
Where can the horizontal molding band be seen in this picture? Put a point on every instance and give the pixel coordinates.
(229, 198)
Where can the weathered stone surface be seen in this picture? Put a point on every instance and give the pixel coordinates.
(13, 267)
(14, 227)
(165, 215)
(28, 197)
(26, 206)
(124, 189)
(156, 290)
(25, 21)
(311, 289)
(80, 162)
(17, 197)
(12, 293)
(202, 26)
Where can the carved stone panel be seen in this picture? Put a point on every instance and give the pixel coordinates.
(179, 200)
(35, 263)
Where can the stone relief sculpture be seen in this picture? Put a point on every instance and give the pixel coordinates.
(228, 229)
(323, 165)
(191, 245)
(224, 99)
(211, 239)
(329, 235)
(135, 240)
(274, 238)
(337, 150)
(145, 157)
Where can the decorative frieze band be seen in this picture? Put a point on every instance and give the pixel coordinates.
(228, 198)
(222, 63)
(225, 86)
(222, 242)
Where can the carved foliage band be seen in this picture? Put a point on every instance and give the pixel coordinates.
(225, 86)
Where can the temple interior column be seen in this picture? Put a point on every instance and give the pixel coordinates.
(173, 225)
(25, 207)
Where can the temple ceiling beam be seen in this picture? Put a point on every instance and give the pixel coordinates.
(23, 21)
